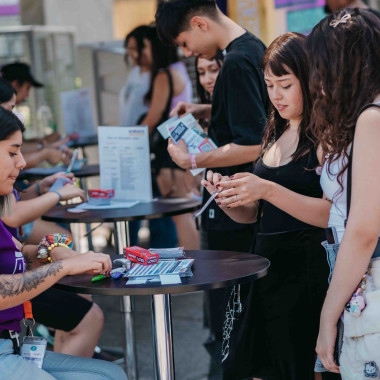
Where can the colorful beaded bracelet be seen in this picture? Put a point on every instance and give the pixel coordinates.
(49, 242)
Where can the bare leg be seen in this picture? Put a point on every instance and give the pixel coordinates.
(188, 236)
(82, 340)
(173, 183)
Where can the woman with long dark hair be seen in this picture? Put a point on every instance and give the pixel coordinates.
(279, 324)
(132, 95)
(24, 274)
(169, 85)
(207, 71)
(345, 84)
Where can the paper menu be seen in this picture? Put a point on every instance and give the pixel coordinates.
(124, 160)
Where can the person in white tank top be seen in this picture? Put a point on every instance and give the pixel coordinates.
(340, 88)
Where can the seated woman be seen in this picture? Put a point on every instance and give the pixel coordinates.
(78, 322)
(35, 153)
(23, 276)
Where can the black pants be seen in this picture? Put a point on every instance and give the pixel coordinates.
(275, 336)
(216, 300)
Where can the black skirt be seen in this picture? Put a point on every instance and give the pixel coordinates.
(273, 335)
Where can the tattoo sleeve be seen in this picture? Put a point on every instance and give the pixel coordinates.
(14, 285)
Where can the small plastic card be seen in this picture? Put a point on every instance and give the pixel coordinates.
(33, 349)
(170, 279)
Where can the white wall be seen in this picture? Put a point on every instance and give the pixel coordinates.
(93, 19)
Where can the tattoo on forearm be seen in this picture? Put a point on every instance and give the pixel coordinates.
(13, 285)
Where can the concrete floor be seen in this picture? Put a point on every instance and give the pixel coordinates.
(191, 358)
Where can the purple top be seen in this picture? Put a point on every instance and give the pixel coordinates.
(11, 262)
(13, 230)
(187, 94)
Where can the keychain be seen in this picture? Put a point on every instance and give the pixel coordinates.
(357, 301)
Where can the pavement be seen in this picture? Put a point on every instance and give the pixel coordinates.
(191, 359)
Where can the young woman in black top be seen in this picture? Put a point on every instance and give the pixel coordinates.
(282, 310)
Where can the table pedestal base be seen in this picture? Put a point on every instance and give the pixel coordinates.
(129, 340)
(162, 337)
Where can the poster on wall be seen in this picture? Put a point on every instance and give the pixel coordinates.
(9, 7)
(77, 112)
(303, 20)
(290, 3)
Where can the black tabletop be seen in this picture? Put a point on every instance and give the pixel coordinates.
(83, 142)
(37, 173)
(144, 210)
(211, 270)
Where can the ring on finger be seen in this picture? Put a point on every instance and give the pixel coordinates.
(236, 199)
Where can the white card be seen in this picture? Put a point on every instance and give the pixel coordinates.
(33, 349)
(169, 279)
(136, 281)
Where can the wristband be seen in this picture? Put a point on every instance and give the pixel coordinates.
(59, 194)
(193, 161)
(48, 243)
(38, 189)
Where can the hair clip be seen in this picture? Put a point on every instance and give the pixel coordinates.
(343, 20)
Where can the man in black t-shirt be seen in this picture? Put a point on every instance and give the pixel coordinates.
(238, 111)
(237, 117)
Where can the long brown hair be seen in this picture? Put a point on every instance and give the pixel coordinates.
(344, 76)
(286, 55)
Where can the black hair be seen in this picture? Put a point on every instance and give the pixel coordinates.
(173, 16)
(138, 34)
(6, 91)
(162, 57)
(285, 55)
(9, 124)
(204, 96)
(344, 56)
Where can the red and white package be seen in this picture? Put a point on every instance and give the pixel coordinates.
(140, 255)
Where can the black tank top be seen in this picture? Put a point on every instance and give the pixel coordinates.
(299, 176)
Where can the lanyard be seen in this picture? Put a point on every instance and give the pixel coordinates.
(28, 318)
(28, 310)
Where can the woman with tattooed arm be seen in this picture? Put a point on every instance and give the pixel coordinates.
(22, 277)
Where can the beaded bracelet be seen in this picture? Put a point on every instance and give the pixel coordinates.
(49, 242)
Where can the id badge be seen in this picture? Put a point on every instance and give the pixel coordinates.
(33, 349)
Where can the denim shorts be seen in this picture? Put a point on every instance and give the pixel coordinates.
(332, 252)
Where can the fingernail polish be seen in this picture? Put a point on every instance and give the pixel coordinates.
(205, 185)
(228, 207)
(217, 185)
(232, 177)
(218, 203)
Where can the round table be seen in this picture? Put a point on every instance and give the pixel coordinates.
(83, 141)
(38, 173)
(162, 207)
(211, 270)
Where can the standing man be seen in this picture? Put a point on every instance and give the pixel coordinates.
(237, 114)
